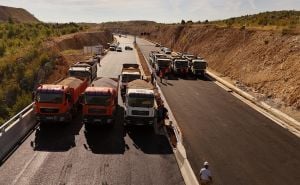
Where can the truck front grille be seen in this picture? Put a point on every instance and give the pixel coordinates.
(140, 113)
(96, 111)
(49, 110)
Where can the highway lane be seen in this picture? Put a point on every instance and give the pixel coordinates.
(242, 146)
(68, 154)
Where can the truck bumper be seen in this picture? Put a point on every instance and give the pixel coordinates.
(53, 118)
(132, 120)
(98, 120)
(199, 72)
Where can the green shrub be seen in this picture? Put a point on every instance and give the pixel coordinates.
(22, 101)
(2, 50)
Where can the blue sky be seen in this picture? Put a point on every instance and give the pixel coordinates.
(164, 11)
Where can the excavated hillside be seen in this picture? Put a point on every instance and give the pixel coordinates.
(265, 63)
(70, 49)
(16, 14)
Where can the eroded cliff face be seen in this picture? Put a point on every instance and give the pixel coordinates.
(264, 61)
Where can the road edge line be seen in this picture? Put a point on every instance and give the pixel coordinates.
(270, 112)
(184, 165)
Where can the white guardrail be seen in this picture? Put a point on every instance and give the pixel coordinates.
(14, 130)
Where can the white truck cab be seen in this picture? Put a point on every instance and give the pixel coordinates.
(140, 105)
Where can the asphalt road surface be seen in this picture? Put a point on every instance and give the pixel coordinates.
(68, 154)
(242, 146)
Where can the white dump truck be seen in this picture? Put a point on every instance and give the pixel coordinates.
(140, 103)
(198, 67)
(129, 73)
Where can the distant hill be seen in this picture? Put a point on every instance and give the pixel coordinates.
(16, 14)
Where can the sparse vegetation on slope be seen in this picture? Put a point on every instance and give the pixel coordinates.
(24, 62)
(285, 21)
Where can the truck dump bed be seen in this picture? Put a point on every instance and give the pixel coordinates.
(76, 86)
(105, 82)
(71, 82)
(130, 66)
(140, 84)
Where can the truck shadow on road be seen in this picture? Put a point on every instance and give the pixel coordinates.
(56, 137)
(146, 140)
(105, 139)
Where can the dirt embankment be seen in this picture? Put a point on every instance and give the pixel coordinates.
(16, 15)
(266, 62)
(70, 50)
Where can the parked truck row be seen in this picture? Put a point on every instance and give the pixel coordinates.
(60, 101)
(178, 63)
(97, 97)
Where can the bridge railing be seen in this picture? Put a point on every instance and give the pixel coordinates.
(15, 130)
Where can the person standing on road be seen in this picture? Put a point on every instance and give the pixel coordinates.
(152, 78)
(162, 114)
(166, 75)
(161, 75)
(205, 175)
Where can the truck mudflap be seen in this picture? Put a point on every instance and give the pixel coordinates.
(132, 120)
(98, 120)
(65, 117)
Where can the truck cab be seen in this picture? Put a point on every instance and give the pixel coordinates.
(198, 67)
(139, 107)
(82, 72)
(162, 64)
(90, 63)
(100, 102)
(129, 73)
(58, 102)
(180, 66)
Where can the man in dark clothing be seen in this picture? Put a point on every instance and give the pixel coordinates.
(152, 78)
(162, 114)
(161, 75)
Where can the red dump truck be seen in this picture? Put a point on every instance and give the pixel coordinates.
(58, 102)
(100, 101)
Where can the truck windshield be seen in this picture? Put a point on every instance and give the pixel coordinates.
(47, 97)
(181, 63)
(79, 74)
(101, 100)
(199, 65)
(145, 102)
(163, 63)
(129, 77)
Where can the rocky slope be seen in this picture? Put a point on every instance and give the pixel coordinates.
(266, 63)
